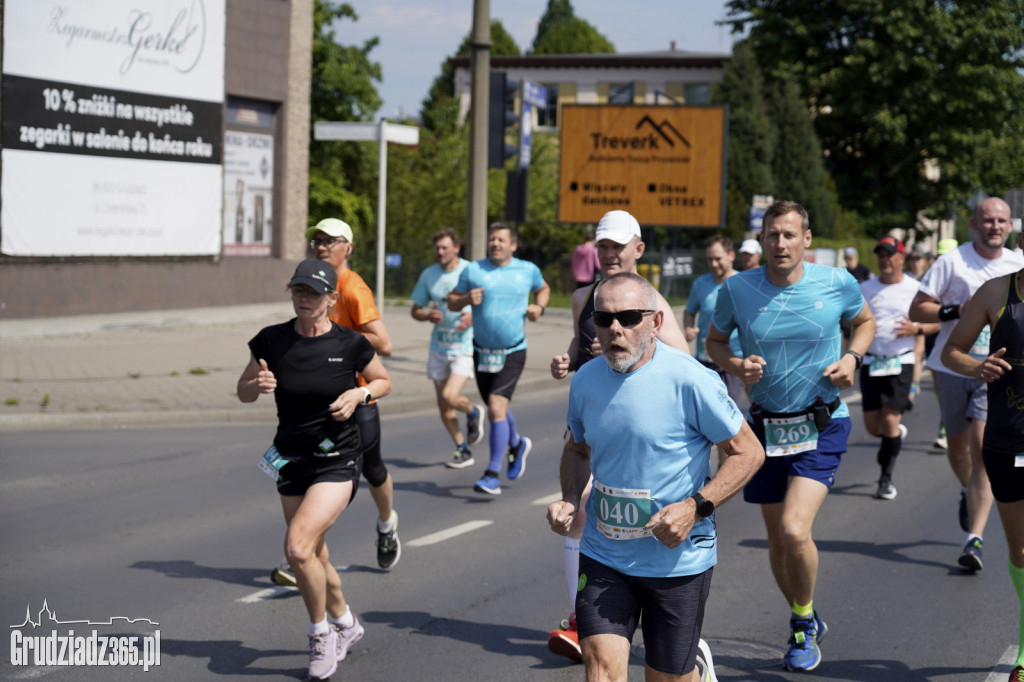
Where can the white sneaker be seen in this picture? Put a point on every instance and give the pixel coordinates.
(903, 431)
(323, 660)
(705, 664)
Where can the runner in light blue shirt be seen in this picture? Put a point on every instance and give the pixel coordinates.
(700, 307)
(642, 421)
(788, 314)
(499, 288)
(450, 362)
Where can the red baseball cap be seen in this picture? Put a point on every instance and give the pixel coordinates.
(890, 244)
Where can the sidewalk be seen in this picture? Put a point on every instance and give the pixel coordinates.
(181, 366)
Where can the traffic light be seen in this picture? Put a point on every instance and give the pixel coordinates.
(501, 115)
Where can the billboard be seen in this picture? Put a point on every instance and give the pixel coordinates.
(112, 127)
(663, 164)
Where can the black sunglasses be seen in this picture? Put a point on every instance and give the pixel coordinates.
(627, 318)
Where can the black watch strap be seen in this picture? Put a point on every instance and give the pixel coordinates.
(856, 356)
(705, 507)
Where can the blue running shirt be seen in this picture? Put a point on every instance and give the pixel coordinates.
(499, 322)
(794, 328)
(703, 295)
(652, 429)
(433, 286)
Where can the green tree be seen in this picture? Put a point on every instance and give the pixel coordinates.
(573, 36)
(342, 175)
(556, 12)
(436, 108)
(896, 84)
(752, 137)
(798, 165)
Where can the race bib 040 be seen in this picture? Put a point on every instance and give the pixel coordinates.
(621, 513)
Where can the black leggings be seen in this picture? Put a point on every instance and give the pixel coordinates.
(368, 419)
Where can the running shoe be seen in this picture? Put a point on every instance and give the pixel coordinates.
(886, 490)
(1017, 674)
(389, 548)
(705, 664)
(803, 653)
(475, 425)
(965, 517)
(517, 458)
(970, 558)
(488, 485)
(822, 628)
(347, 637)
(460, 460)
(282, 575)
(322, 658)
(903, 431)
(566, 641)
(940, 441)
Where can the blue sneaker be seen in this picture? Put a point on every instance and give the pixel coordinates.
(517, 459)
(822, 628)
(803, 653)
(489, 484)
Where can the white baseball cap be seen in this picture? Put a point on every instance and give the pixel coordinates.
(619, 226)
(332, 227)
(750, 246)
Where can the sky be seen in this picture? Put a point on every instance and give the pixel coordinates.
(417, 36)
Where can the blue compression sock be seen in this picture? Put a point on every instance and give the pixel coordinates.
(498, 441)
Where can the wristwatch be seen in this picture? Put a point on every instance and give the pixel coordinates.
(858, 358)
(366, 395)
(705, 507)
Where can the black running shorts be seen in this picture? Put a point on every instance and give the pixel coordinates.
(612, 603)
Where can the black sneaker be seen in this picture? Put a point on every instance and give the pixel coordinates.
(971, 556)
(886, 490)
(475, 425)
(460, 460)
(389, 549)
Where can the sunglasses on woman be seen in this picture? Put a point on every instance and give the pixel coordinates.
(627, 318)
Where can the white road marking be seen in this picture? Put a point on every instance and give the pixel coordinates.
(547, 499)
(269, 593)
(448, 533)
(1008, 658)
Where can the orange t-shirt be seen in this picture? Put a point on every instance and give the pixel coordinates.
(355, 305)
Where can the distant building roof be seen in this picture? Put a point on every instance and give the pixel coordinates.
(662, 59)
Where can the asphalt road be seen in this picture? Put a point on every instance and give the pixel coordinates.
(177, 525)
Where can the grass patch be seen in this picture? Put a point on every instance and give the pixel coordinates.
(175, 373)
(45, 402)
(198, 371)
(12, 401)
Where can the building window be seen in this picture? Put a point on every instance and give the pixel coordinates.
(548, 116)
(620, 93)
(697, 93)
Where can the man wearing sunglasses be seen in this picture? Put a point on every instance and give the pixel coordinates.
(331, 240)
(619, 247)
(642, 423)
(788, 314)
(499, 287)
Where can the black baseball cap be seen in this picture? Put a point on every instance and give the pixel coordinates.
(316, 274)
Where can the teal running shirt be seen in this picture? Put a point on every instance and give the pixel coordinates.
(433, 287)
(499, 322)
(794, 328)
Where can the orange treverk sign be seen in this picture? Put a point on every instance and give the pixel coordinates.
(663, 164)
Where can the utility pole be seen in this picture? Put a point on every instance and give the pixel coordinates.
(480, 73)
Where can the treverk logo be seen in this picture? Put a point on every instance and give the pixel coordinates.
(93, 649)
(662, 134)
